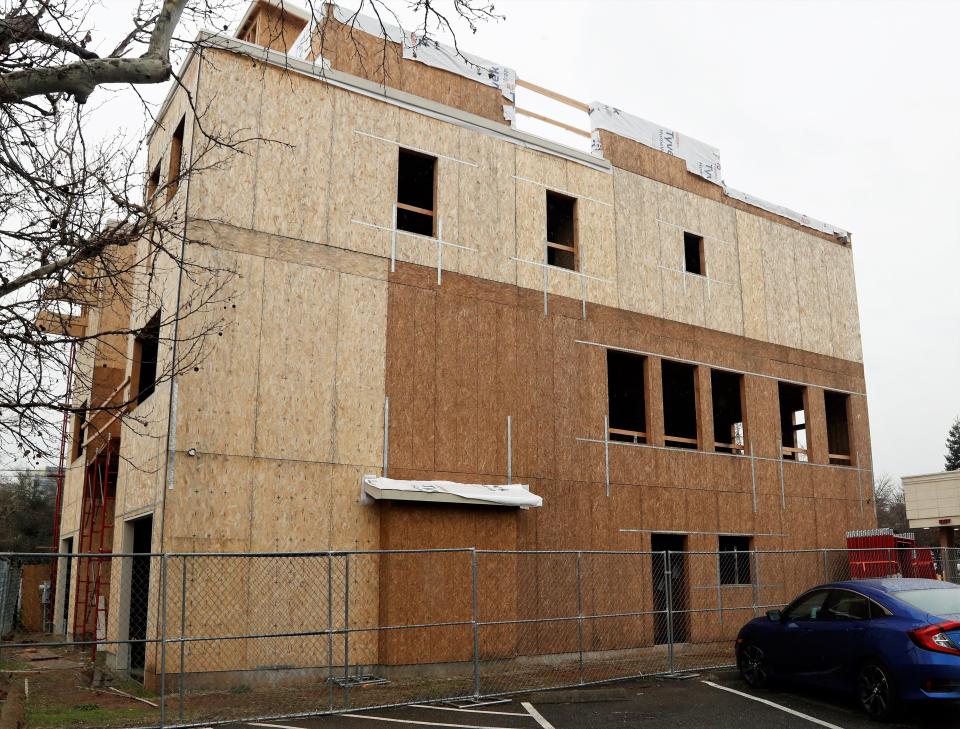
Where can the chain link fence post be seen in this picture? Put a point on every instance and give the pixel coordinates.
(826, 576)
(476, 624)
(330, 626)
(668, 588)
(183, 623)
(580, 612)
(346, 630)
(163, 640)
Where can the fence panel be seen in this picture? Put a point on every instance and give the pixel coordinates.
(204, 638)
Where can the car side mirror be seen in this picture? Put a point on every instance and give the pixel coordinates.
(773, 616)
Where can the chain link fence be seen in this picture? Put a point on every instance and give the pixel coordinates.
(197, 639)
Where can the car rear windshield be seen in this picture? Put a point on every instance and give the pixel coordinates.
(937, 602)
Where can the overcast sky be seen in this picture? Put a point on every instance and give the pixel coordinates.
(846, 111)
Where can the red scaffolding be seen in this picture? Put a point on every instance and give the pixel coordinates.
(96, 537)
(883, 553)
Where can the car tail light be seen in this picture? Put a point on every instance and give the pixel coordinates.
(935, 638)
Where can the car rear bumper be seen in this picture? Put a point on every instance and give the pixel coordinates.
(935, 676)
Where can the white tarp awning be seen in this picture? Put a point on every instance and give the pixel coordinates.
(450, 492)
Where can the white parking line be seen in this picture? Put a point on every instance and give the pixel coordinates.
(424, 723)
(469, 711)
(538, 717)
(787, 709)
(274, 726)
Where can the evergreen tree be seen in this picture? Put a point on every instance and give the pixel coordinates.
(953, 447)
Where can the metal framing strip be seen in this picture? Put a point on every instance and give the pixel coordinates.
(565, 270)
(416, 149)
(688, 230)
(715, 453)
(561, 191)
(721, 367)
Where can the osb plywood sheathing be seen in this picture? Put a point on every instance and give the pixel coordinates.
(437, 240)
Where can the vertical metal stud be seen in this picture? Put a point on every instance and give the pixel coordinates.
(386, 433)
(606, 450)
(783, 492)
(439, 251)
(393, 242)
(509, 449)
(753, 477)
(859, 484)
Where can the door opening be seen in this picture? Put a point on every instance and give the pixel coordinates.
(139, 593)
(63, 589)
(676, 580)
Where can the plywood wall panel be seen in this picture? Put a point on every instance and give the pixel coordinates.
(291, 504)
(533, 421)
(216, 406)
(496, 374)
(367, 166)
(360, 370)
(752, 279)
(816, 326)
(843, 303)
(411, 379)
(293, 165)
(224, 191)
(456, 447)
(780, 286)
(598, 252)
(487, 208)
(297, 362)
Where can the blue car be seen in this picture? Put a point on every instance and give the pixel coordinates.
(888, 640)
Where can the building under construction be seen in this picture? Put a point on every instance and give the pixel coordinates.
(423, 293)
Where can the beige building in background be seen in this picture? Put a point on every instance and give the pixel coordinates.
(933, 502)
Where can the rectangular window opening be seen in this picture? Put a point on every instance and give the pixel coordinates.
(152, 185)
(734, 557)
(176, 159)
(679, 404)
(626, 397)
(838, 427)
(693, 261)
(145, 350)
(793, 421)
(80, 430)
(416, 185)
(561, 231)
(728, 426)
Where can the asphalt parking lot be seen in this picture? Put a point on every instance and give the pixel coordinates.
(704, 701)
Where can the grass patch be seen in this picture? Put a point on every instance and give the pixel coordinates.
(81, 715)
(14, 666)
(131, 686)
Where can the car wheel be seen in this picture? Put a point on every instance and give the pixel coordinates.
(877, 694)
(753, 666)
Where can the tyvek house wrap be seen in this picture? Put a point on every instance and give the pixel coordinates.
(513, 494)
(437, 55)
(701, 158)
